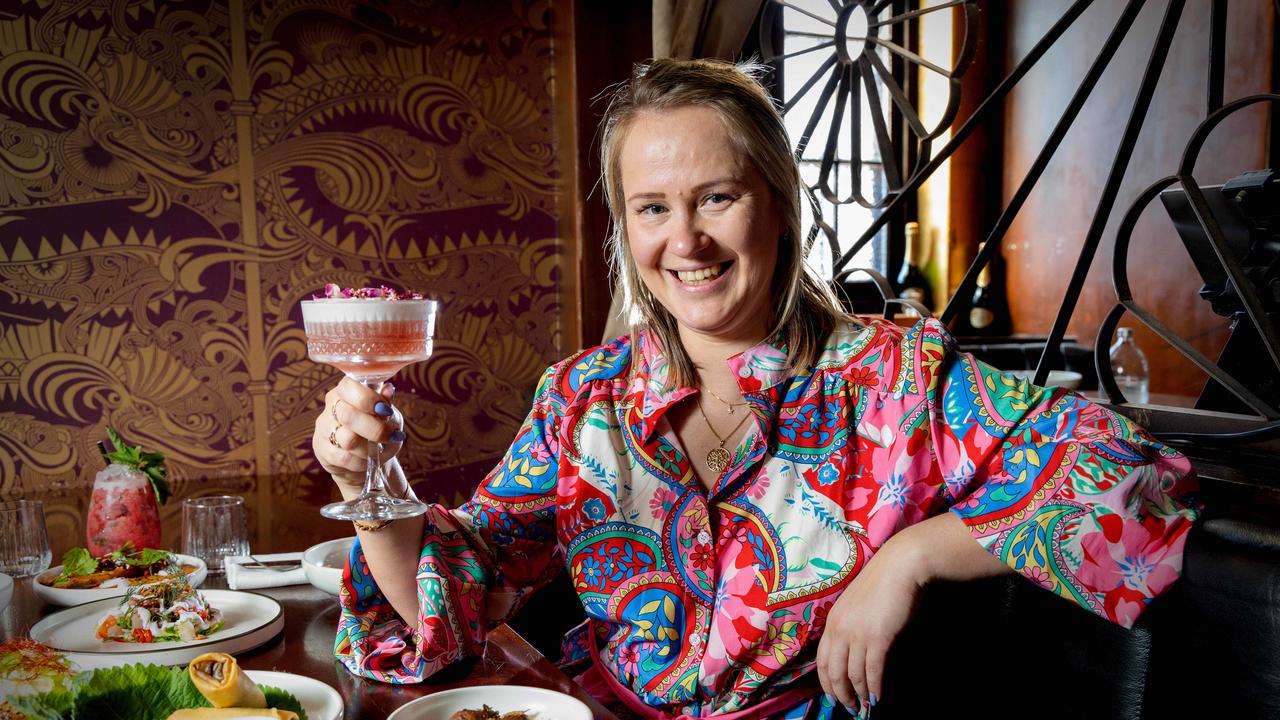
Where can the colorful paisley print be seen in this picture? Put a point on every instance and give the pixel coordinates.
(709, 602)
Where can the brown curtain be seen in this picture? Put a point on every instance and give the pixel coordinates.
(702, 28)
(691, 29)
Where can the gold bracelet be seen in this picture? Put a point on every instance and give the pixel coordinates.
(370, 527)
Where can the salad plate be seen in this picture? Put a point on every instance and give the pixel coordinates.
(70, 597)
(320, 701)
(537, 703)
(249, 620)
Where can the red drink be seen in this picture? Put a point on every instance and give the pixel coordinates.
(122, 510)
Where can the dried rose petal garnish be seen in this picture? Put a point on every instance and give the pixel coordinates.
(333, 292)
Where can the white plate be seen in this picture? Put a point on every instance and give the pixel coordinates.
(319, 700)
(70, 597)
(541, 704)
(249, 620)
(324, 563)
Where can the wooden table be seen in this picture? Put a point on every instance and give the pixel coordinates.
(305, 647)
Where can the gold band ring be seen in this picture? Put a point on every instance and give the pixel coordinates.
(334, 412)
(333, 438)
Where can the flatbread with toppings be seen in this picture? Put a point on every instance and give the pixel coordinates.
(123, 568)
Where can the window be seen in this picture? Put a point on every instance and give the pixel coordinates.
(861, 98)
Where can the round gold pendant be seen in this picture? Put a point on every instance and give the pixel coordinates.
(718, 459)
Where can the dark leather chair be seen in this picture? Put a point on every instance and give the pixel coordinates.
(1002, 648)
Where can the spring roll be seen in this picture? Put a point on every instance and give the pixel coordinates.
(218, 677)
(221, 713)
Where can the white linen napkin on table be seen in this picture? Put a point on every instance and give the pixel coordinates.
(240, 577)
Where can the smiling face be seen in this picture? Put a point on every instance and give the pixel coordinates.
(702, 224)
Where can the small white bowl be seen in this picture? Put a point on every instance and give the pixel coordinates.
(6, 591)
(324, 563)
(70, 597)
(1068, 379)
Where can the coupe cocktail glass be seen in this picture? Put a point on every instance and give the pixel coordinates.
(370, 339)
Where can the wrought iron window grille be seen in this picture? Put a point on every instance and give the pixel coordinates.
(905, 147)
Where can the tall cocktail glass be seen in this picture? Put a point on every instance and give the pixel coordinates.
(370, 339)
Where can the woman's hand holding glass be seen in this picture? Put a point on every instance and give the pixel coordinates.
(353, 415)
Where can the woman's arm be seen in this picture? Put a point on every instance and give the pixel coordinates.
(420, 594)
(392, 550)
(1038, 480)
(942, 548)
(881, 599)
(353, 414)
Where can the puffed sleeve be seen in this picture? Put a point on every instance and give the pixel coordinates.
(1070, 494)
(477, 563)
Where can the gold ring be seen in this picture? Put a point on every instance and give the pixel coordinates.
(333, 438)
(334, 412)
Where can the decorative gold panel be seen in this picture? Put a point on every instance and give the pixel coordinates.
(176, 176)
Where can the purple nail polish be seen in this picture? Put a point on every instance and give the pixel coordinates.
(382, 409)
(872, 700)
(397, 436)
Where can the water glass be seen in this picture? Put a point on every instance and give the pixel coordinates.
(214, 527)
(24, 539)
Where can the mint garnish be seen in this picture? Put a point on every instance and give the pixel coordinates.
(150, 464)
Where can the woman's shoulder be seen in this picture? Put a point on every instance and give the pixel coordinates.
(882, 353)
(604, 363)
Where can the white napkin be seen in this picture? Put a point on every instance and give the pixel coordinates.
(247, 578)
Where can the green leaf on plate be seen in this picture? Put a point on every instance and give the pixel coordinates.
(76, 561)
(132, 692)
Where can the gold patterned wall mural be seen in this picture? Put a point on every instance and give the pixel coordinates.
(176, 176)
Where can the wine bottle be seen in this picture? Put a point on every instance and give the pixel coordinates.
(988, 314)
(912, 284)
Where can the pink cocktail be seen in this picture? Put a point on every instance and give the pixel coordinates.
(122, 510)
(370, 339)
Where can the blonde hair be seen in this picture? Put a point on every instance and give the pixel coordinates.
(806, 309)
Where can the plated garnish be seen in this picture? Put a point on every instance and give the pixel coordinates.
(333, 291)
(124, 567)
(29, 668)
(166, 611)
(140, 692)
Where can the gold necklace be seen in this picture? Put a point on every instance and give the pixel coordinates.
(718, 458)
(726, 403)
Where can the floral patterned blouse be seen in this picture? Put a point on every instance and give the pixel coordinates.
(708, 602)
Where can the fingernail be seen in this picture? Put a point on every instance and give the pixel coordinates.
(397, 436)
(391, 390)
(872, 700)
(382, 409)
(851, 711)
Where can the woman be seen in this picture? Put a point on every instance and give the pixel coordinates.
(751, 488)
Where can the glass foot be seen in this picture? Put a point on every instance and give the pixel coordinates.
(369, 507)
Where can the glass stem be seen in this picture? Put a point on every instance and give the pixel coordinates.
(375, 481)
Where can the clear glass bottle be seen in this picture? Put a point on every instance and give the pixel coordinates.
(1129, 367)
